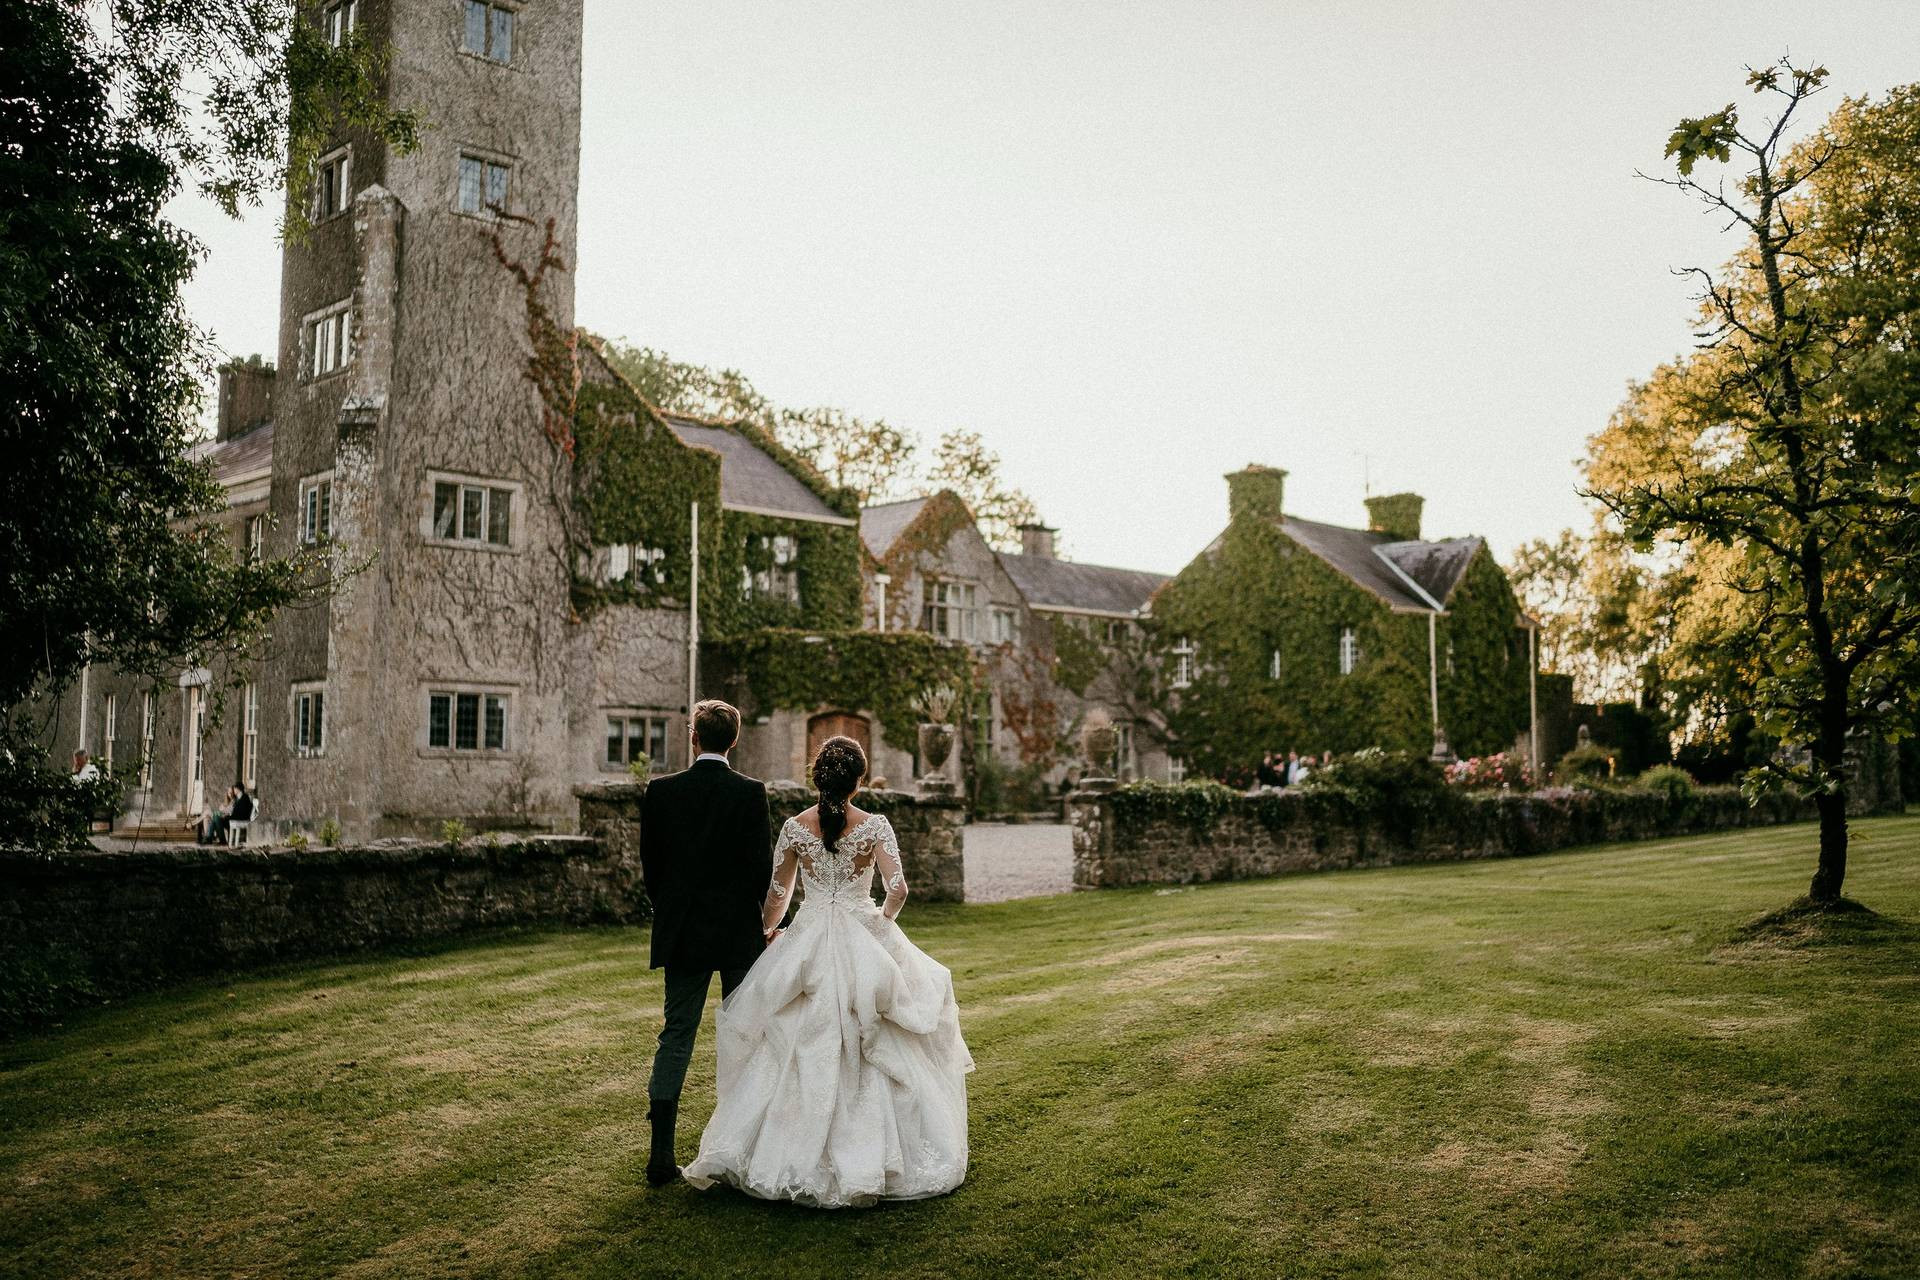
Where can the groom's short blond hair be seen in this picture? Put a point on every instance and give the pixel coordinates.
(716, 725)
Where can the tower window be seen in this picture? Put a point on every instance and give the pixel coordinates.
(1273, 665)
(309, 720)
(1183, 663)
(338, 20)
(330, 185)
(489, 31)
(329, 341)
(316, 509)
(475, 513)
(1349, 651)
(484, 186)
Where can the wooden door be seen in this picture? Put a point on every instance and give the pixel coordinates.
(837, 724)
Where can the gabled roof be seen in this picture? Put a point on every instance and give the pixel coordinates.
(751, 479)
(1408, 577)
(1069, 586)
(238, 458)
(1436, 566)
(882, 525)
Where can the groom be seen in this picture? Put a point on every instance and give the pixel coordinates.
(707, 855)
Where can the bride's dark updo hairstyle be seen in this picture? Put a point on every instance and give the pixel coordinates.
(837, 772)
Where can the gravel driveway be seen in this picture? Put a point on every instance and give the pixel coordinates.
(1018, 860)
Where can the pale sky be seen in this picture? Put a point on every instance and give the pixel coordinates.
(1139, 244)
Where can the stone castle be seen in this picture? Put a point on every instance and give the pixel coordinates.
(453, 675)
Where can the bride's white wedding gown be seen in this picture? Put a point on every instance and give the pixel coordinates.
(842, 1073)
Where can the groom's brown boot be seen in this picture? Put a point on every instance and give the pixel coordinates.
(661, 1168)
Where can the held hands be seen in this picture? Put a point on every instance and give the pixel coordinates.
(773, 934)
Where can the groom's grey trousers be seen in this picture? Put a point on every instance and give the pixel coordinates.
(686, 1001)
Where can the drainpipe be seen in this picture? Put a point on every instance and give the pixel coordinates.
(1441, 753)
(1533, 702)
(693, 622)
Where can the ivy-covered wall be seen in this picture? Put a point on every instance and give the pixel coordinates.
(1259, 592)
(879, 672)
(634, 483)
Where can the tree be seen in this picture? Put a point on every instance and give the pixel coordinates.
(1600, 611)
(110, 554)
(1784, 453)
(964, 464)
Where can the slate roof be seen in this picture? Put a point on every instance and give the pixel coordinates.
(1436, 566)
(1048, 583)
(751, 479)
(882, 525)
(239, 456)
(1370, 561)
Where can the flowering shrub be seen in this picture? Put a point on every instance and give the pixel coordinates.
(1500, 772)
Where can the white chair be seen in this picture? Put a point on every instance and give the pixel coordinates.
(237, 829)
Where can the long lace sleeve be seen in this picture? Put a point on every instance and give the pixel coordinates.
(886, 856)
(786, 864)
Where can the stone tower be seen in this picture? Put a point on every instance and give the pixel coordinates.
(408, 443)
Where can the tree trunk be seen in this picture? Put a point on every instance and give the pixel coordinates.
(1827, 881)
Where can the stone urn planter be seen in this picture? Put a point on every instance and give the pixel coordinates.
(1100, 743)
(936, 748)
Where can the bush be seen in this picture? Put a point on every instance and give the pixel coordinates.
(1670, 782)
(998, 789)
(453, 831)
(330, 833)
(1375, 778)
(1500, 772)
(297, 841)
(1592, 762)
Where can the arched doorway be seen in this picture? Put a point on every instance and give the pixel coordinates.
(837, 724)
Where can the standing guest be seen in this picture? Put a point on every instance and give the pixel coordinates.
(1267, 775)
(1298, 769)
(84, 770)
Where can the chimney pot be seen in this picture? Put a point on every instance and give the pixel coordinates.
(246, 397)
(1397, 515)
(1256, 492)
(1036, 540)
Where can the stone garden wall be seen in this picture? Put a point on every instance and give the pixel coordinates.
(930, 828)
(1180, 835)
(77, 925)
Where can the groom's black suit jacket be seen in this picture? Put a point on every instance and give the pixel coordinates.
(707, 853)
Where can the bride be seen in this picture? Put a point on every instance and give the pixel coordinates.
(842, 1074)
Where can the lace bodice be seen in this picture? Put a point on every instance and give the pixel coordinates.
(843, 874)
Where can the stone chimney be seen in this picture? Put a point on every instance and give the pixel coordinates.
(1397, 515)
(246, 397)
(1256, 492)
(1036, 540)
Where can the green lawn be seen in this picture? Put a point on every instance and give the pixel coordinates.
(1562, 1065)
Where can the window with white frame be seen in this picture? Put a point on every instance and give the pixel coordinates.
(461, 721)
(950, 609)
(256, 536)
(1449, 657)
(631, 734)
(329, 340)
(110, 724)
(1183, 655)
(1349, 651)
(250, 737)
(331, 184)
(485, 186)
(316, 508)
(1273, 664)
(148, 705)
(983, 720)
(472, 512)
(487, 31)
(1123, 753)
(640, 565)
(778, 577)
(1176, 769)
(1114, 630)
(1006, 625)
(309, 719)
(338, 20)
